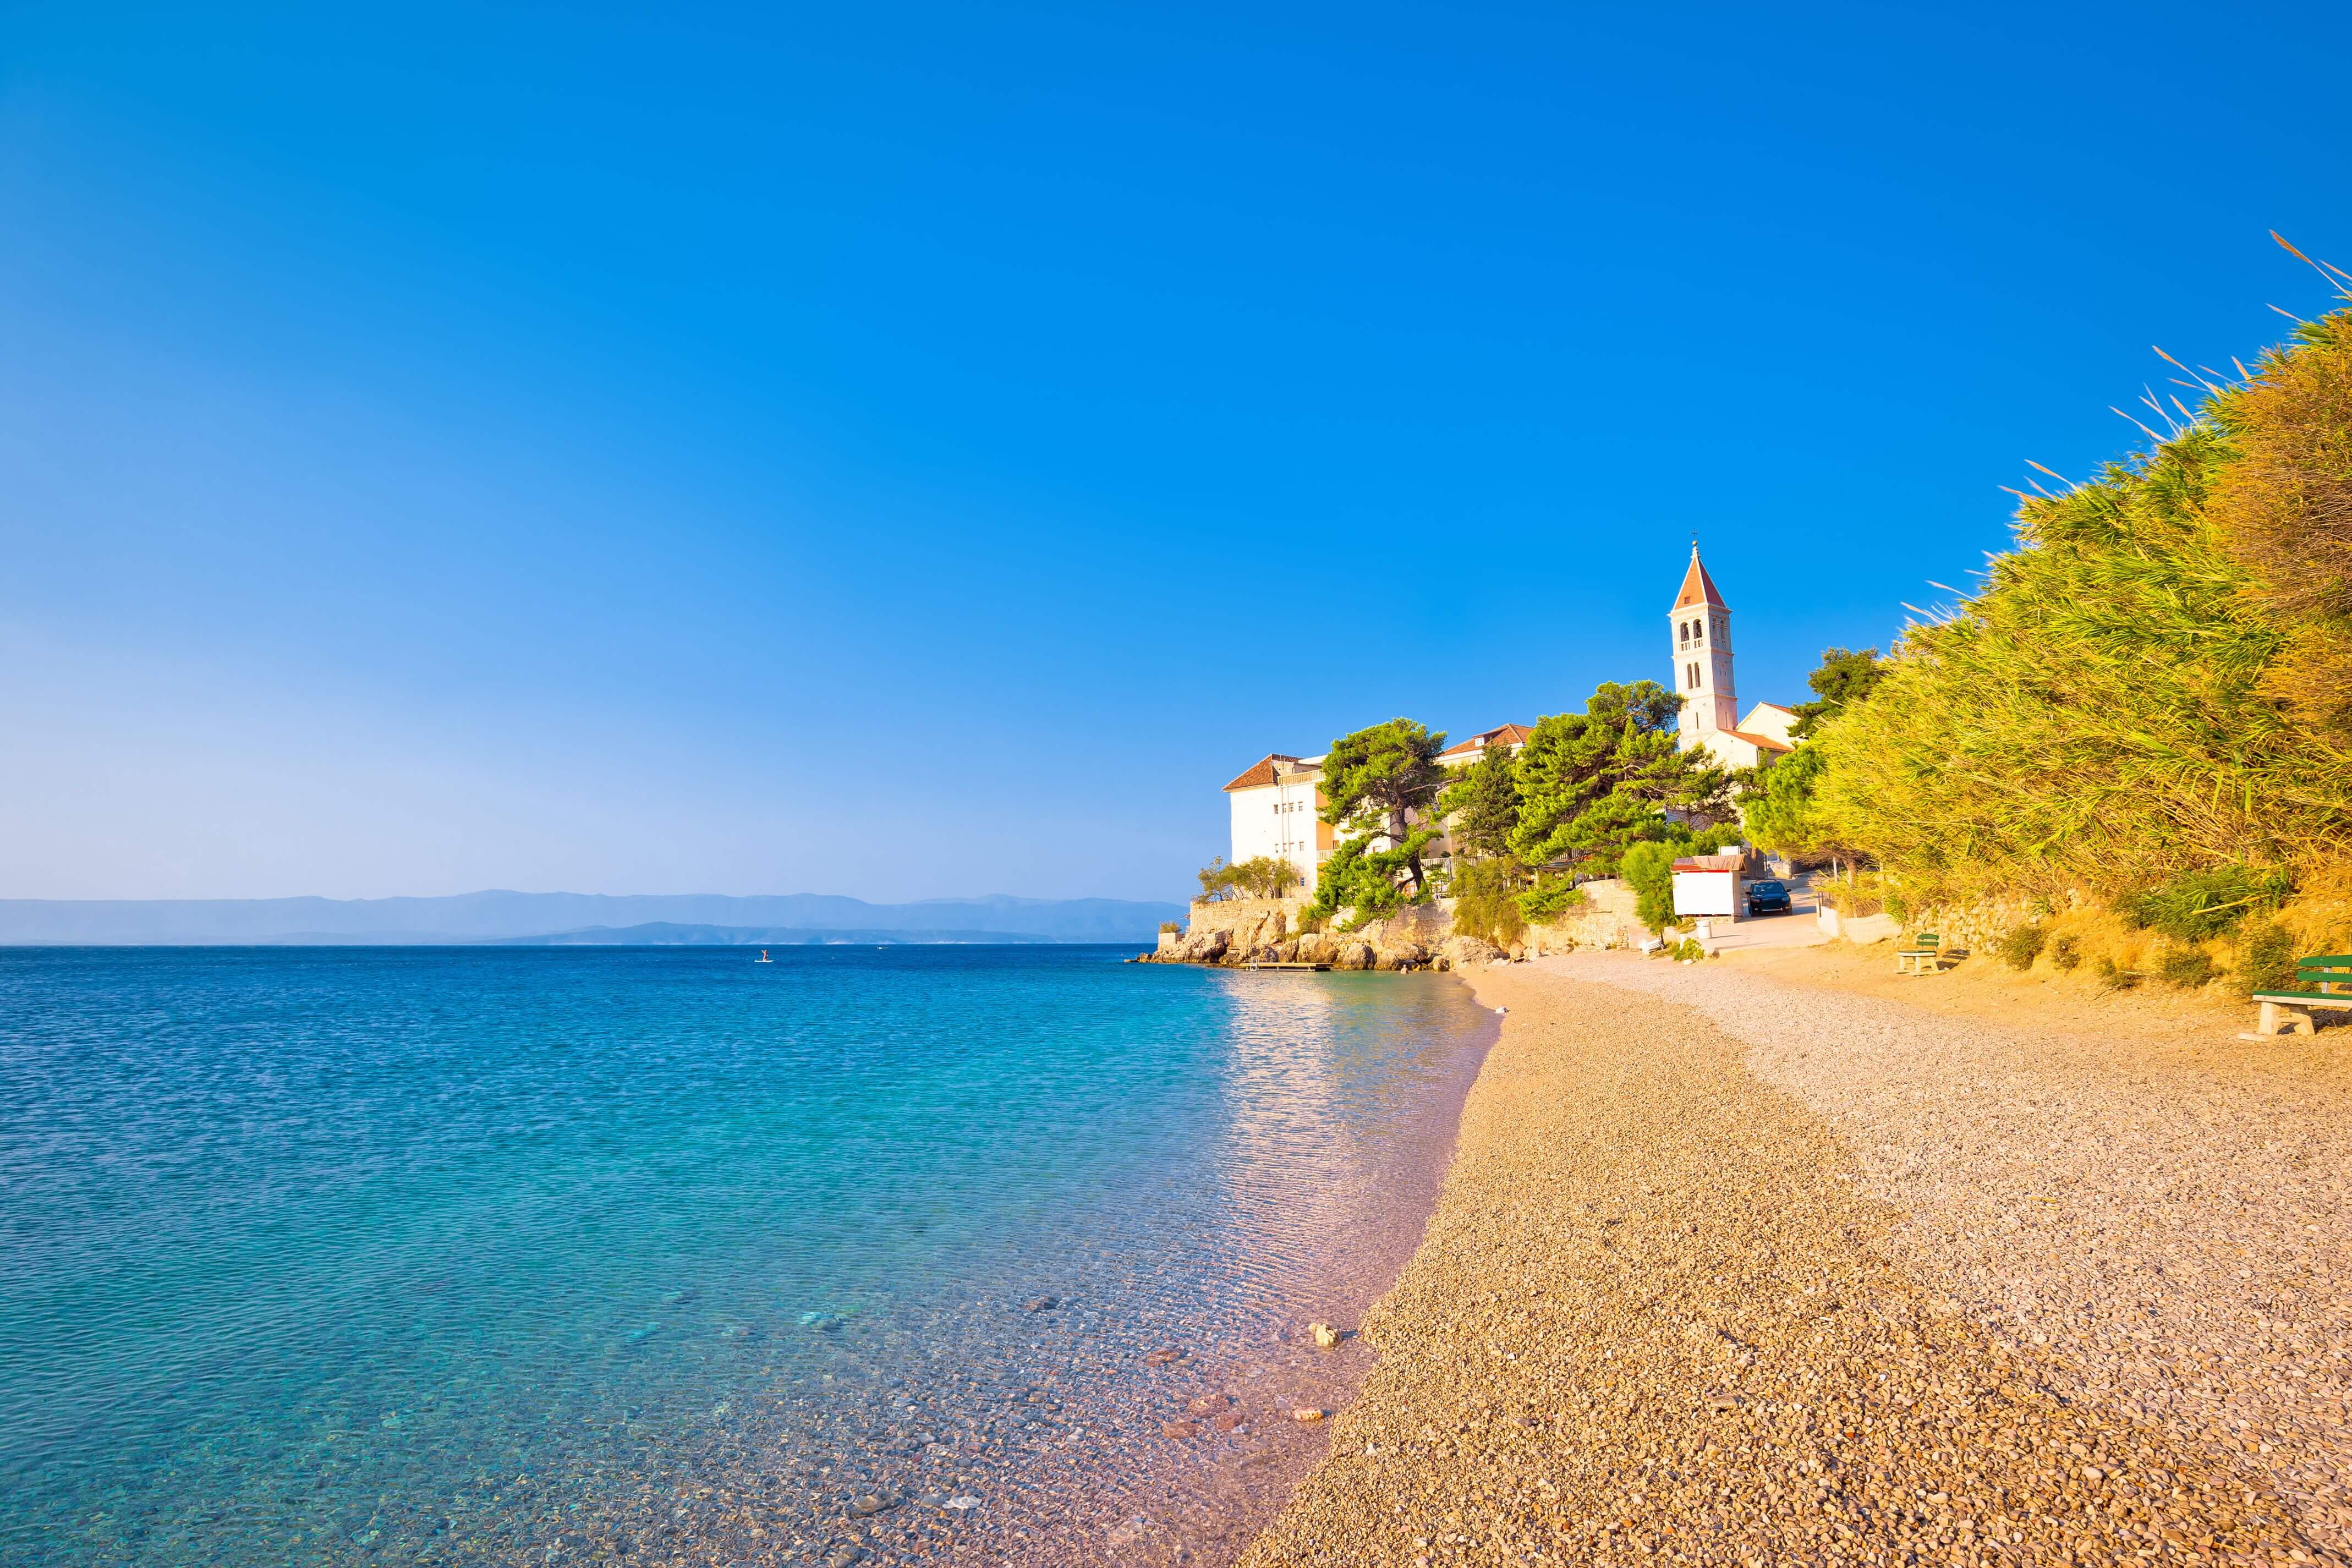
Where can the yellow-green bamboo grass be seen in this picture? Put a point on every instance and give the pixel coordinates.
(2157, 681)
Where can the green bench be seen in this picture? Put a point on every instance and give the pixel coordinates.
(1923, 956)
(2325, 980)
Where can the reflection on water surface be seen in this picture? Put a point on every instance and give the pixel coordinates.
(474, 1256)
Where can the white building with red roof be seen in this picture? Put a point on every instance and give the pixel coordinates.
(1277, 808)
(1700, 629)
(1511, 736)
(1277, 812)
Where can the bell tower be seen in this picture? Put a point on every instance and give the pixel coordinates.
(1700, 629)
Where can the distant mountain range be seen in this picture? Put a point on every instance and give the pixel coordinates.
(775, 920)
(667, 934)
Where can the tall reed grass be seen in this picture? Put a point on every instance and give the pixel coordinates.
(2155, 682)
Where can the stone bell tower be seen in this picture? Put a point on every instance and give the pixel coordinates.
(1701, 634)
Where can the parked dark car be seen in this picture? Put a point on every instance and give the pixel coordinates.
(1767, 898)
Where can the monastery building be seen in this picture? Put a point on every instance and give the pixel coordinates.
(1277, 808)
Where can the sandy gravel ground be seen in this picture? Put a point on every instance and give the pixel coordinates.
(2157, 1206)
(1676, 1307)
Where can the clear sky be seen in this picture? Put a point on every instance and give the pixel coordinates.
(913, 450)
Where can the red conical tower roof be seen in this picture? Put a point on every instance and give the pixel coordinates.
(1698, 588)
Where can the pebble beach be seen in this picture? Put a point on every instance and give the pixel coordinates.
(1730, 1269)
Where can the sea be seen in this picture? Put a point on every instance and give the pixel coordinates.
(407, 1256)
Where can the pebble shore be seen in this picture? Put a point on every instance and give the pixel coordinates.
(1728, 1271)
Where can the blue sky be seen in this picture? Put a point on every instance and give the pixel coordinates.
(918, 451)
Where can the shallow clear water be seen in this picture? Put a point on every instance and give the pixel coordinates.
(460, 1255)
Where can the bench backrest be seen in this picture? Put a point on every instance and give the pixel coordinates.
(2322, 971)
(1927, 939)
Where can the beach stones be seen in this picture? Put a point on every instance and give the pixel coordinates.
(1326, 1336)
(1307, 1413)
(866, 1504)
(1180, 1428)
(1163, 1356)
(1041, 1304)
(1208, 1403)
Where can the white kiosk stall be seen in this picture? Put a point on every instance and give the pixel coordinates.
(1707, 887)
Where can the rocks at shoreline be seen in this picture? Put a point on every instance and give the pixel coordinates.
(1468, 951)
(1231, 934)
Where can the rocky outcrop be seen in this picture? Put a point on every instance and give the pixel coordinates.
(1203, 947)
(1266, 931)
(1468, 951)
(1231, 931)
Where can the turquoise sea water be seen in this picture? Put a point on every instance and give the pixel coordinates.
(474, 1256)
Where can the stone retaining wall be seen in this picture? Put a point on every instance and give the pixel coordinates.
(1605, 920)
(1979, 924)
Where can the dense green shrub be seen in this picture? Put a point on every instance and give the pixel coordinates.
(1266, 876)
(1593, 784)
(2266, 957)
(1856, 895)
(1554, 894)
(1480, 807)
(2204, 903)
(1485, 901)
(1366, 881)
(1649, 870)
(2187, 967)
(2067, 952)
(2116, 977)
(2020, 947)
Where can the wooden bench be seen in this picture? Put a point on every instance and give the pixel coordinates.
(1923, 956)
(2323, 981)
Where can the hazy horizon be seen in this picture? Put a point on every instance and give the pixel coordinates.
(502, 915)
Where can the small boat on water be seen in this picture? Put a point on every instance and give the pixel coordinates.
(763, 957)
